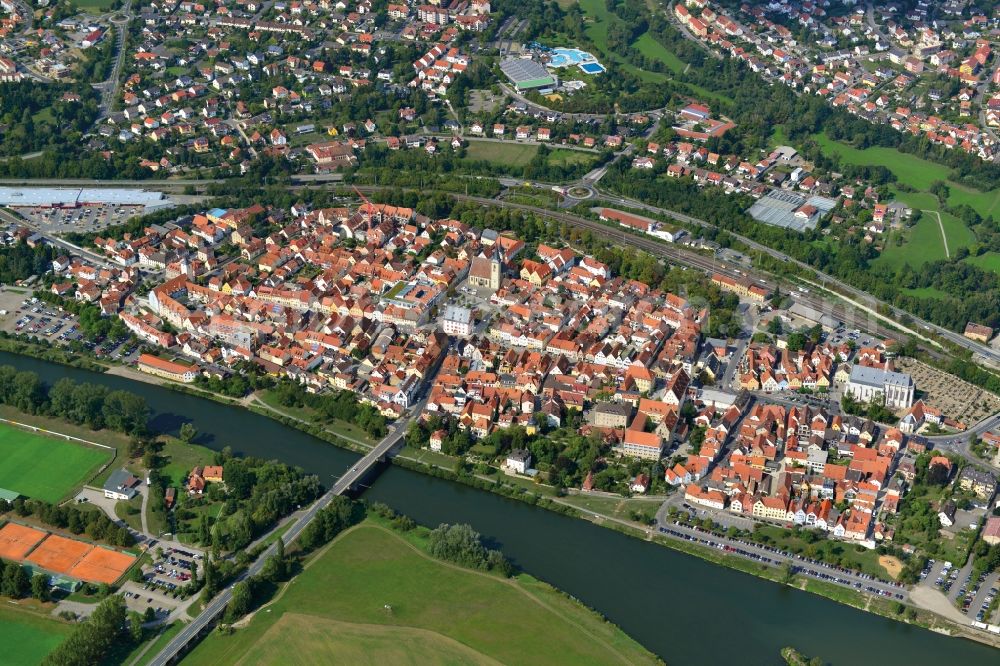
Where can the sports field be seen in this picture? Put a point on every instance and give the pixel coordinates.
(44, 467)
(371, 581)
(16, 541)
(27, 637)
(80, 560)
(58, 554)
(102, 565)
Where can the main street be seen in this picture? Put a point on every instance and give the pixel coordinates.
(109, 87)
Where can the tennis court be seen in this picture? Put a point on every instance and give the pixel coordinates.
(59, 554)
(101, 565)
(16, 541)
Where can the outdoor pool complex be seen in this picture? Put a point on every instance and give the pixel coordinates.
(563, 57)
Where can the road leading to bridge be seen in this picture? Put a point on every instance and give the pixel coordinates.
(350, 479)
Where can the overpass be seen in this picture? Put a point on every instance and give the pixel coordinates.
(349, 480)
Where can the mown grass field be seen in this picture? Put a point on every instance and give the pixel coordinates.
(181, 458)
(347, 643)
(570, 157)
(913, 171)
(44, 467)
(28, 637)
(909, 169)
(372, 581)
(651, 48)
(94, 6)
(989, 261)
(925, 292)
(922, 244)
(597, 31)
(513, 154)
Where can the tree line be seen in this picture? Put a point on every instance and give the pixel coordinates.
(334, 406)
(94, 524)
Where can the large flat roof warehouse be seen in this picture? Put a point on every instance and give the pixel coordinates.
(527, 74)
(74, 197)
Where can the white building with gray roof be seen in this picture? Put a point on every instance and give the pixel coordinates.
(869, 384)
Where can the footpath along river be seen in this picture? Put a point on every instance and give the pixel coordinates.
(684, 609)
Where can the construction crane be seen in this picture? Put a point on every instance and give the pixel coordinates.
(371, 208)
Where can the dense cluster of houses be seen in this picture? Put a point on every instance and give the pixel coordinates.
(798, 465)
(193, 100)
(881, 73)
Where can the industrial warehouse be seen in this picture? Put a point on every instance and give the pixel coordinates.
(75, 197)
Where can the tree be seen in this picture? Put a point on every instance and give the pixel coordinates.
(135, 626)
(239, 603)
(93, 638)
(16, 583)
(188, 432)
(40, 584)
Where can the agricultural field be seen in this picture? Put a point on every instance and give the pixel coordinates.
(44, 467)
(512, 154)
(370, 582)
(28, 637)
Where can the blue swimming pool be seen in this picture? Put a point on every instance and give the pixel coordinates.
(592, 68)
(563, 57)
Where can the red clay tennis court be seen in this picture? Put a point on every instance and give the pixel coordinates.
(101, 565)
(16, 541)
(59, 554)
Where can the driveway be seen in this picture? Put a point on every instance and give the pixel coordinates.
(96, 497)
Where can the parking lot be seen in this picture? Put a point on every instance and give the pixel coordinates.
(30, 317)
(139, 597)
(972, 596)
(161, 580)
(25, 316)
(82, 219)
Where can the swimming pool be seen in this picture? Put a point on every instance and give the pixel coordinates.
(563, 57)
(592, 68)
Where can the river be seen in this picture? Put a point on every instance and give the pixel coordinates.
(684, 609)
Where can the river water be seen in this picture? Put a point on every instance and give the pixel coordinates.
(682, 608)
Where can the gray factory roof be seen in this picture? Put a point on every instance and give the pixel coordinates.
(75, 196)
(526, 73)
